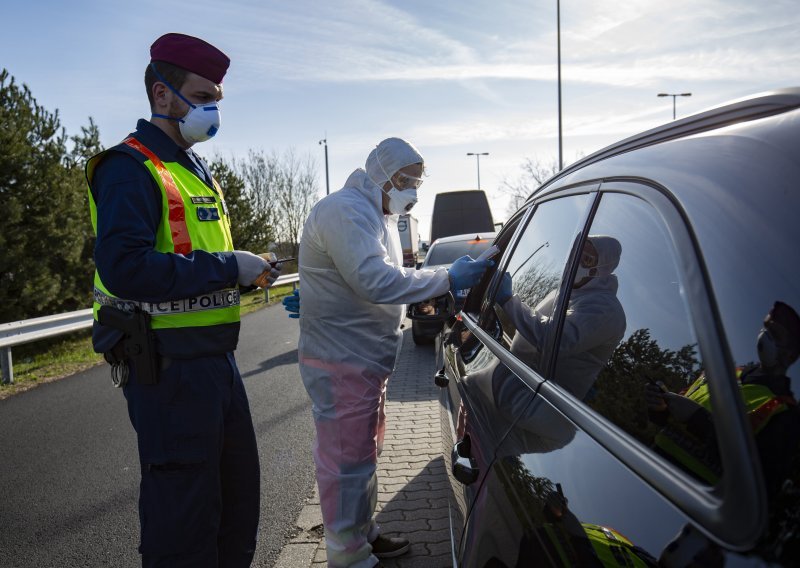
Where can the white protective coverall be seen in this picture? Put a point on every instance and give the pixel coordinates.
(594, 326)
(353, 288)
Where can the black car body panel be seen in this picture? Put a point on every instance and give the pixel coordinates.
(556, 457)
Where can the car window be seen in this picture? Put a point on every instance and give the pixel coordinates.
(750, 249)
(749, 244)
(627, 347)
(533, 275)
(448, 252)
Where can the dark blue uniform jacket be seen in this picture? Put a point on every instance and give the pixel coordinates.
(128, 216)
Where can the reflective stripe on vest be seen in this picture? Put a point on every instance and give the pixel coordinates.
(177, 212)
(211, 301)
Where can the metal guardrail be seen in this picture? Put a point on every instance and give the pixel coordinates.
(25, 331)
(283, 280)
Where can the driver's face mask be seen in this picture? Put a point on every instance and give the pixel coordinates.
(768, 350)
(588, 266)
(201, 122)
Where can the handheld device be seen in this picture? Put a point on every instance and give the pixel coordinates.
(262, 280)
(489, 253)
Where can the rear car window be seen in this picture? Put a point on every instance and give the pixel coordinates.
(447, 253)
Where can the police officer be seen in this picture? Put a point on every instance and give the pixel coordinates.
(689, 437)
(164, 253)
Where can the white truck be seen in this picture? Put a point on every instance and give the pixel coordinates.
(409, 239)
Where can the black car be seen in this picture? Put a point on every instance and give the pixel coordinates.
(444, 252)
(615, 390)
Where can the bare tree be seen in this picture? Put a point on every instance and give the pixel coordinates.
(261, 173)
(249, 229)
(295, 194)
(280, 190)
(534, 173)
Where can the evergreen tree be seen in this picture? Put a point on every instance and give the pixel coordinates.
(247, 226)
(45, 231)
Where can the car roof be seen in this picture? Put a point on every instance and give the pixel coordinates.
(465, 237)
(715, 120)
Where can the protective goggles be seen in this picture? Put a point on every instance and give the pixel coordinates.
(408, 182)
(405, 181)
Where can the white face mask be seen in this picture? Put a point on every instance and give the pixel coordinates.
(201, 122)
(584, 272)
(401, 201)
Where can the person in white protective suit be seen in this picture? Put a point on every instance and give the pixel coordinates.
(595, 320)
(354, 288)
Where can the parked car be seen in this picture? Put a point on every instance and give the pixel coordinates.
(610, 389)
(443, 252)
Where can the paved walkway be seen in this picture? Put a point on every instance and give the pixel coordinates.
(412, 481)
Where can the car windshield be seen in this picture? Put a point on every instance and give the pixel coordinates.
(447, 253)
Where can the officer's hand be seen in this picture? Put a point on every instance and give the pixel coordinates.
(268, 277)
(654, 395)
(292, 304)
(465, 273)
(251, 266)
(505, 292)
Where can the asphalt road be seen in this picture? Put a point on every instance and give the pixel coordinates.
(69, 472)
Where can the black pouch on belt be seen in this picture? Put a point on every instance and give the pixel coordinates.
(139, 343)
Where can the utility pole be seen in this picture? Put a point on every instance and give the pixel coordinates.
(327, 183)
(558, 35)
(478, 158)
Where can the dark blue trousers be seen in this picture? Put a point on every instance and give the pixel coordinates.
(199, 494)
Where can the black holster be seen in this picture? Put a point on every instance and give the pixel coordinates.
(138, 346)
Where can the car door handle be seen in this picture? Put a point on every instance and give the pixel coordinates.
(464, 469)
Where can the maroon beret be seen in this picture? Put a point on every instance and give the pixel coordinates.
(192, 54)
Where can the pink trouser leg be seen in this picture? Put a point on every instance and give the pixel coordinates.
(350, 422)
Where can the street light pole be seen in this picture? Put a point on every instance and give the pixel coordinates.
(327, 183)
(478, 158)
(558, 34)
(674, 96)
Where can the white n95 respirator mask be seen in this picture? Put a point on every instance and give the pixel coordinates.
(401, 201)
(200, 123)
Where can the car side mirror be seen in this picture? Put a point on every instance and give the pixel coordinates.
(440, 308)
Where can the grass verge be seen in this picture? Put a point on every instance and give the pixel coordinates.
(52, 359)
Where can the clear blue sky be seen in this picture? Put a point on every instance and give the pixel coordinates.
(452, 77)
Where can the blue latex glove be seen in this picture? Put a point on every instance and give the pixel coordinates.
(292, 304)
(465, 273)
(505, 291)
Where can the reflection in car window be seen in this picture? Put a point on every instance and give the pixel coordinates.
(627, 338)
(751, 255)
(595, 319)
(534, 273)
(522, 313)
